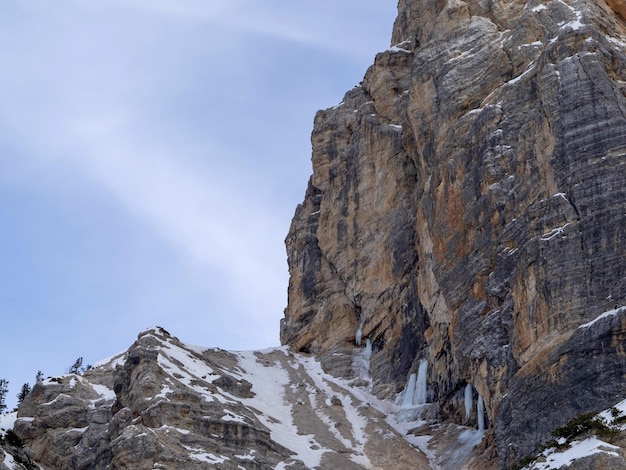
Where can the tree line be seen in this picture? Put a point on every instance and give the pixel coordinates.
(76, 368)
(24, 391)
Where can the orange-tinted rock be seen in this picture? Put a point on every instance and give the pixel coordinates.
(468, 206)
(619, 7)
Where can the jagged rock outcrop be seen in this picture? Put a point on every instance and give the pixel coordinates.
(164, 404)
(468, 206)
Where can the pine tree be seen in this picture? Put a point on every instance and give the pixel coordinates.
(75, 369)
(23, 392)
(39, 376)
(4, 389)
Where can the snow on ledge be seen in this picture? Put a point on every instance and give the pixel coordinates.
(9, 461)
(610, 313)
(398, 49)
(578, 450)
(7, 421)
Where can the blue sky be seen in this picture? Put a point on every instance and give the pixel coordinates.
(152, 153)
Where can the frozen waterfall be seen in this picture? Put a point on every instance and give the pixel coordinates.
(469, 392)
(359, 332)
(414, 401)
(361, 358)
(357, 337)
(420, 385)
(409, 392)
(368, 349)
(481, 413)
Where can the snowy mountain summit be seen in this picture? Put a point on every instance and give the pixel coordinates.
(457, 293)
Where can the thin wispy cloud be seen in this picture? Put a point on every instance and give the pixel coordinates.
(153, 153)
(210, 221)
(297, 22)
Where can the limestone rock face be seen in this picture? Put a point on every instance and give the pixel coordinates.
(468, 206)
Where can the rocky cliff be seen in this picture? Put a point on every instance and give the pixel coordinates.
(467, 208)
(458, 269)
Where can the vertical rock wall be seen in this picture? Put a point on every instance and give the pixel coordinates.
(468, 206)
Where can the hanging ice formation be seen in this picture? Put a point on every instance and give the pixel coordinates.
(481, 413)
(409, 392)
(361, 361)
(359, 330)
(420, 386)
(469, 392)
(414, 398)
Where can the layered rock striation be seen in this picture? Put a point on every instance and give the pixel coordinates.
(458, 267)
(468, 207)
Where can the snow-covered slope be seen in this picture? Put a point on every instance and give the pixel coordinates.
(580, 450)
(166, 404)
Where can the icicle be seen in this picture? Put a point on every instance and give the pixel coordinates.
(414, 401)
(481, 413)
(469, 392)
(361, 361)
(420, 386)
(409, 391)
(359, 331)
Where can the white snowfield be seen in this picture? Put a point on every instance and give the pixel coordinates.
(314, 415)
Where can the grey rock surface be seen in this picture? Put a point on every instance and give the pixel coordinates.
(468, 206)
